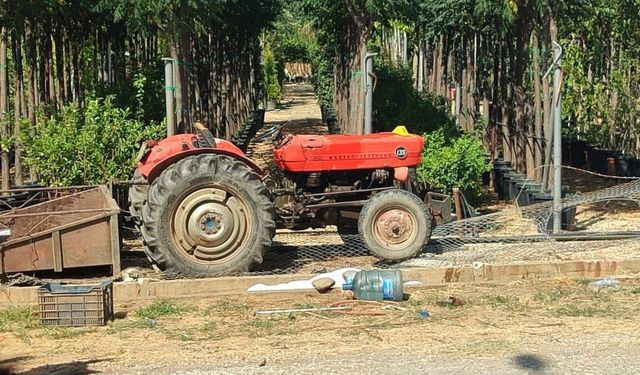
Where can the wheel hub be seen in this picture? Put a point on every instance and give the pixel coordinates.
(394, 226)
(209, 221)
(210, 224)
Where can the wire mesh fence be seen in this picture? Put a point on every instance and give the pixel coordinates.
(609, 218)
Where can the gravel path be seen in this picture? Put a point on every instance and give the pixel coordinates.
(602, 354)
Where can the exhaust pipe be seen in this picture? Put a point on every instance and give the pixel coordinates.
(369, 86)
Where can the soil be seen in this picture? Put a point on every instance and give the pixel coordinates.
(555, 326)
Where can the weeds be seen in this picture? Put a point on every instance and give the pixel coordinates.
(20, 317)
(125, 325)
(210, 331)
(225, 305)
(24, 336)
(510, 303)
(268, 327)
(162, 307)
(549, 297)
(583, 281)
(484, 346)
(581, 310)
(61, 333)
(262, 324)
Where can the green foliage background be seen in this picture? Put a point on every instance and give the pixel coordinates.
(92, 145)
(452, 161)
(395, 101)
(271, 81)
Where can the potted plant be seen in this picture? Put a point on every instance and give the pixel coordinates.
(271, 84)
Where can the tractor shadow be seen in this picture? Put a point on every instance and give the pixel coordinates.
(314, 252)
(318, 252)
(7, 367)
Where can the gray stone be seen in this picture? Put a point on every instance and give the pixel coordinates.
(323, 284)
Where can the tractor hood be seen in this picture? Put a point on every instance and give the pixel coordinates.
(313, 153)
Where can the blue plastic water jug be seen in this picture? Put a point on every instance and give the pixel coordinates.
(376, 285)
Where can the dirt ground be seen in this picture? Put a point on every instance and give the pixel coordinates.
(554, 326)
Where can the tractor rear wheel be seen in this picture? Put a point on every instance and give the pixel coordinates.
(207, 215)
(395, 225)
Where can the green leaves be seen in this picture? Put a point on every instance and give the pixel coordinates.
(396, 102)
(271, 81)
(601, 85)
(90, 146)
(448, 162)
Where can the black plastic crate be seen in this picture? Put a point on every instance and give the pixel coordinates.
(75, 305)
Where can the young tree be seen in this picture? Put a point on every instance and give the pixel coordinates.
(343, 29)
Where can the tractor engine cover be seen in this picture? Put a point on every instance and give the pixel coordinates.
(316, 153)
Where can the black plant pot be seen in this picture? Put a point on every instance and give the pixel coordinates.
(578, 148)
(500, 167)
(533, 188)
(634, 167)
(588, 157)
(568, 214)
(601, 156)
(522, 193)
(623, 168)
(510, 181)
(566, 151)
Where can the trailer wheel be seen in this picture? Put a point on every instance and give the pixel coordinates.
(207, 215)
(137, 197)
(395, 225)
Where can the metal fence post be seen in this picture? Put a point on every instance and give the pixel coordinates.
(557, 139)
(169, 89)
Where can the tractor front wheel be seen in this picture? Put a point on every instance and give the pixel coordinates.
(395, 225)
(207, 215)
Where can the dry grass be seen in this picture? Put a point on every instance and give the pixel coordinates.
(493, 319)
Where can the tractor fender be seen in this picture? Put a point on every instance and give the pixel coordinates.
(156, 156)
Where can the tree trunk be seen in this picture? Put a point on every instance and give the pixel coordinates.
(48, 69)
(349, 91)
(78, 63)
(180, 82)
(495, 99)
(60, 91)
(31, 60)
(68, 74)
(416, 59)
(519, 138)
(537, 107)
(613, 99)
(42, 67)
(19, 105)
(469, 101)
(550, 35)
(4, 107)
(436, 69)
(185, 64)
(505, 94)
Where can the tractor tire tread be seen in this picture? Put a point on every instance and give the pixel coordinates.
(164, 191)
(398, 197)
(137, 197)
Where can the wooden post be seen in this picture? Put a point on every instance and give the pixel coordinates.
(458, 205)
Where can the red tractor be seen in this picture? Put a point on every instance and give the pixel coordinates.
(205, 209)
